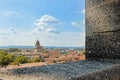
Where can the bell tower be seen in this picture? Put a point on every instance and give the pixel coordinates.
(37, 46)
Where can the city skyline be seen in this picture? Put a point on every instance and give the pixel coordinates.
(54, 23)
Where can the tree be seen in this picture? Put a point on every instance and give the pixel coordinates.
(36, 60)
(10, 57)
(3, 52)
(4, 60)
(13, 50)
(21, 59)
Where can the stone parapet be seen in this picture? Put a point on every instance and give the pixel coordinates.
(81, 70)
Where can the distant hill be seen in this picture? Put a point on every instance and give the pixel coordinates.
(29, 47)
(20, 47)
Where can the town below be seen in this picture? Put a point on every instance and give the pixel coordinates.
(39, 55)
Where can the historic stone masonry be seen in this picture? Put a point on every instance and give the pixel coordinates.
(103, 29)
(102, 42)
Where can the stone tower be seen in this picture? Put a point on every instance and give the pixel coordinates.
(37, 46)
(103, 29)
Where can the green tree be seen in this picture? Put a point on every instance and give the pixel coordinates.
(21, 59)
(36, 60)
(10, 57)
(4, 60)
(13, 50)
(3, 52)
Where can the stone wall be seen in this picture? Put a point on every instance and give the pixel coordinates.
(81, 70)
(103, 29)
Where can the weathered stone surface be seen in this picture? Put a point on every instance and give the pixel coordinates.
(82, 70)
(102, 15)
(103, 29)
(103, 45)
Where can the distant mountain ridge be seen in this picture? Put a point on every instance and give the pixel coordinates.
(29, 47)
(5, 47)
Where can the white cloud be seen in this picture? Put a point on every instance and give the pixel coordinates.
(46, 38)
(79, 25)
(45, 31)
(76, 24)
(14, 30)
(9, 13)
(83, 21)
(80, 11)
(46, 21)
(9, 31)
(52, 30)
(83, 11)
(71, 39)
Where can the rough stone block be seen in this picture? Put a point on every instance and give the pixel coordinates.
(103, 29)
(103, 45)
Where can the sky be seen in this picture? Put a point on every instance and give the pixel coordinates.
(52, 22)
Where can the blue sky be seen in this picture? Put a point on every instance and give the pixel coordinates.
(53, 22)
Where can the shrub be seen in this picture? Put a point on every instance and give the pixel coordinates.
(21, 59)
(10, 57)
(4, 52)
(29, 61)
(36, 60)
(4, 60)
(14, 63)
